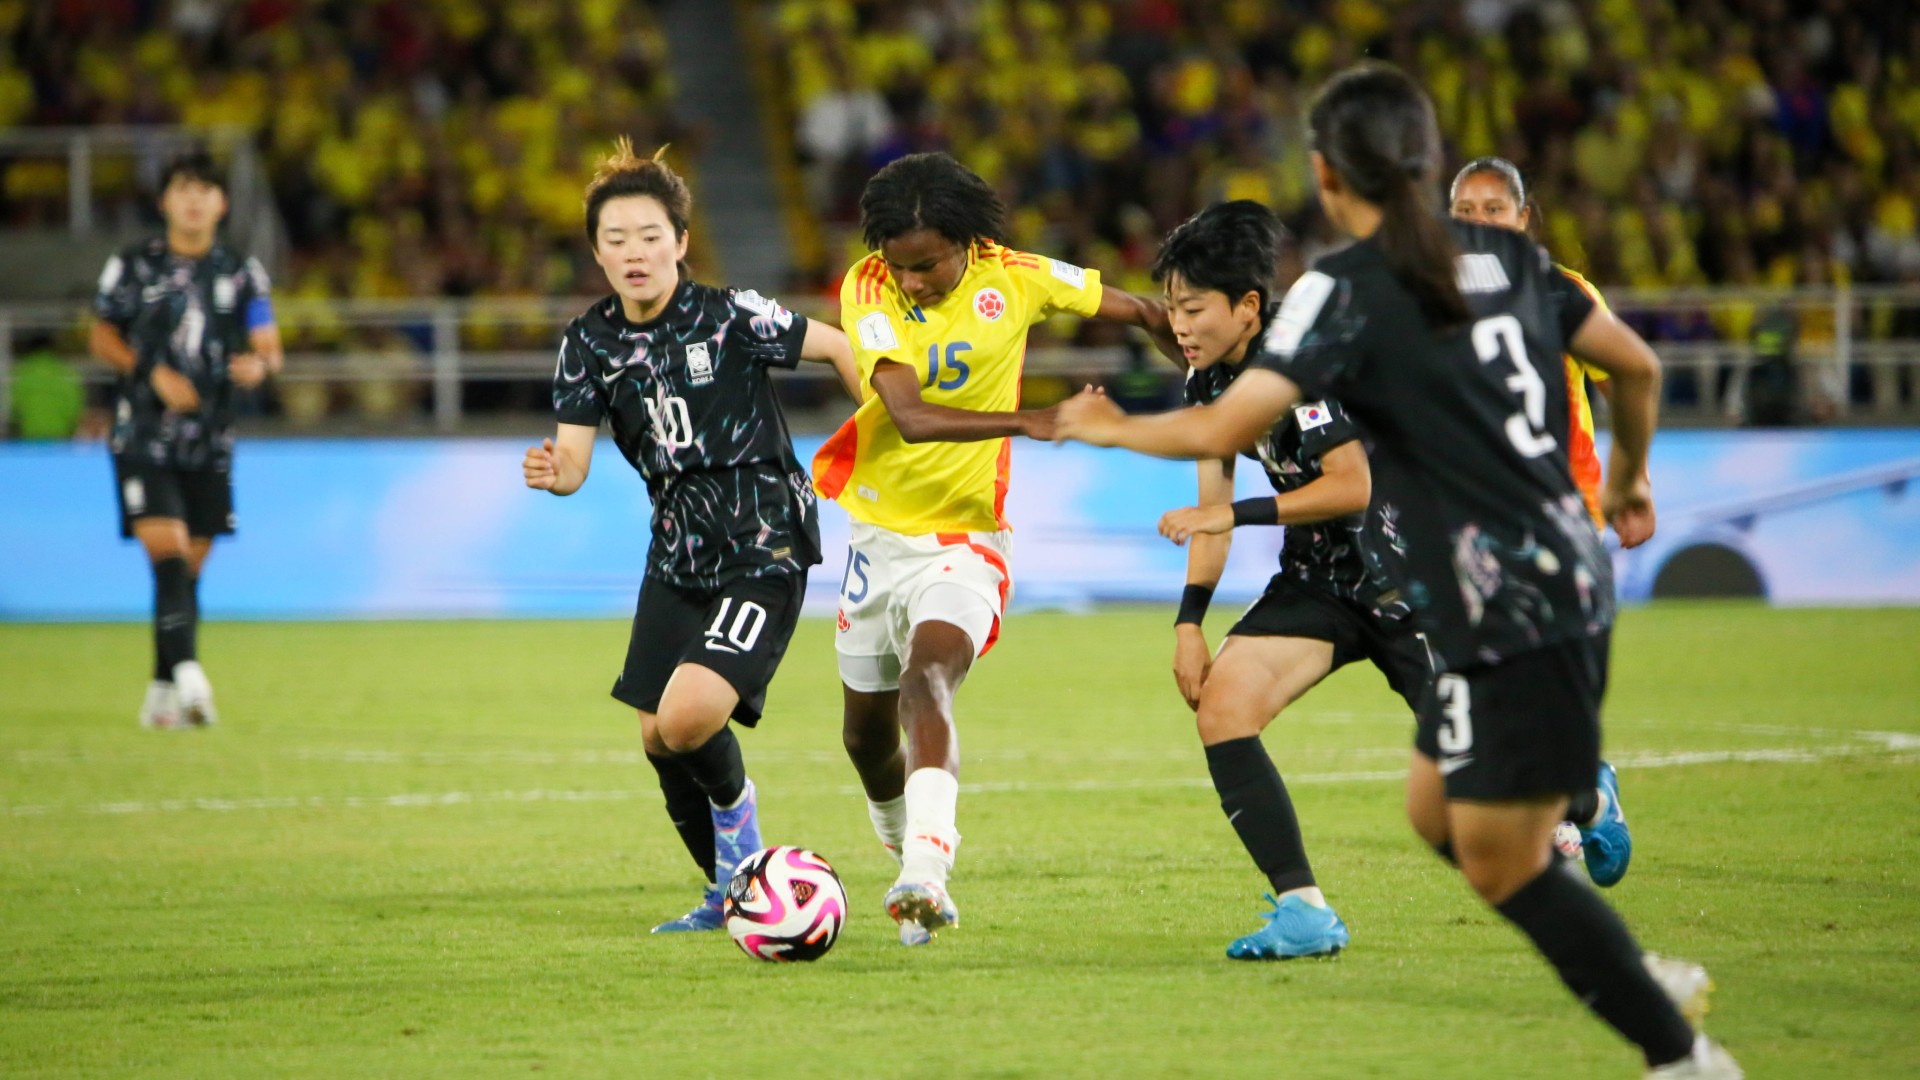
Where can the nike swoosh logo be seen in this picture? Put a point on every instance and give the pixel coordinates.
(1449, 766)
(1233, 815)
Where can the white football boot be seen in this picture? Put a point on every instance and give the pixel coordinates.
(161, 710)
(1709, 1061)
(1687, 985)
(196, 694)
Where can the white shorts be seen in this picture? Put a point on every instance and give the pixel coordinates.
(893, 583)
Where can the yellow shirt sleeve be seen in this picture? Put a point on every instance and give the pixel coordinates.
(874, 334)
(1051, 286)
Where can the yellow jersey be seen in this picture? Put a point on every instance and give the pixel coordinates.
(1583, 460)
(969, 349)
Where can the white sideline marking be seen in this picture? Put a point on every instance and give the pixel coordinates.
(1893, 747)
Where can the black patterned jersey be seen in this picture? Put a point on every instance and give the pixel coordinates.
(193, 314)
(1345, 556)
(1469, 430)
(690, 401)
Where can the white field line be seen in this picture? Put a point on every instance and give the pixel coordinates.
(1894, 746)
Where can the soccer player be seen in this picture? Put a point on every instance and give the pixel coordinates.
(938, 317)
(1490, 191)
(1443, 340)
(184, 319)
(679, 370)
(1327, 606)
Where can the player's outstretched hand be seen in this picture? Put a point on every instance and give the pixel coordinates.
(1089, 417)
(247, 370)
(1179, 525)
(539, 465)
(1630, 511)
(176, 390)
(1191, 662)
(1040, 422)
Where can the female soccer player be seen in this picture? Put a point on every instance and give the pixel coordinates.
(1489, 191)
(679, 371)
(1443, 340)
(184, 319)
(938, 316)
(1327, 607)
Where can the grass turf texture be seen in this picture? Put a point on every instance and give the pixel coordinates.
(434, 848)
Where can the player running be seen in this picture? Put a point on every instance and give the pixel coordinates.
(679, 371)
(1443, 340)
(1489, 191)
(1325, 608)
(938, 317)
(184, 319)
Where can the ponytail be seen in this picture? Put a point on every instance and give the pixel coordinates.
(1376, 128)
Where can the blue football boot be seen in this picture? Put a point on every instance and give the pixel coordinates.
(736, 835)
(1294, 928)
(707, 916)
(1608, 846)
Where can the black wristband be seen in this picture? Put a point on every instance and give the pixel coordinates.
(1261, 511)
(1193, 604)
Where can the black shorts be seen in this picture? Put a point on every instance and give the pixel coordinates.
(1524, 727)
(1291, 608)
(739, 632)
(203, 498)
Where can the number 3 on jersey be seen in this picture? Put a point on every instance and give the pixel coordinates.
(937, 374)
(1526, 429)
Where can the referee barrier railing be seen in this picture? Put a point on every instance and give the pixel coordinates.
(414, 365)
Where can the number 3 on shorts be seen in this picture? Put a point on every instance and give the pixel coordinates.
(740, 636)
(1456, 732)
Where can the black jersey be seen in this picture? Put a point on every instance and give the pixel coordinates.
(1343, 556)
(193, 314)
(692, 407)
(1470, 435)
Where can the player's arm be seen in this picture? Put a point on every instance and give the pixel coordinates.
(826, 344)
(264, 356)
(176, 391)
(1231, 424)
(1206, 561)
(920, 420)
(1145, 313)
(560, 464)
(1612, 346)
(107, 346)
(1344, 487)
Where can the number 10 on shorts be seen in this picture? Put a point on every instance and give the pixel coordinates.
(740, 635)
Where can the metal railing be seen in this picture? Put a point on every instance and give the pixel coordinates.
(252, 216)
(437, 349)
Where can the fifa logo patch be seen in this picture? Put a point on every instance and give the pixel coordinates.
(223, 293)
(699, 367)
(989, 304)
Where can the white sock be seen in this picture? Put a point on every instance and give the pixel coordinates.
(932, 798)
(889, 822)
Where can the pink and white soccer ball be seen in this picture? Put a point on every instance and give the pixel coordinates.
(785, 903)
(1566, 839)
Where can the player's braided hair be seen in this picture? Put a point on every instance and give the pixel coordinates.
(1229, 248)
(929, 191)
(623, 173)
(1375, 126)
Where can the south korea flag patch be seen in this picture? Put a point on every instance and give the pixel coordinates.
(1312, 415)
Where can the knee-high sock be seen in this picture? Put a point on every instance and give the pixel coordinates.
(1596, 956)
(716, 766)
(687, 809)
(933, 797)
(1256, 804)
(174, 621)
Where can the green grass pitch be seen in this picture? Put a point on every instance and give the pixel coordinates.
(419, 849)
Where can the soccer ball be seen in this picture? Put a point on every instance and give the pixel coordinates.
(1566, 840)
(785, 903)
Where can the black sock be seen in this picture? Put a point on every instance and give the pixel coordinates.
(1256, 804)
(1582, 807)
(173, 616)
(716, 767)
(687, 809)
(1596, 956)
